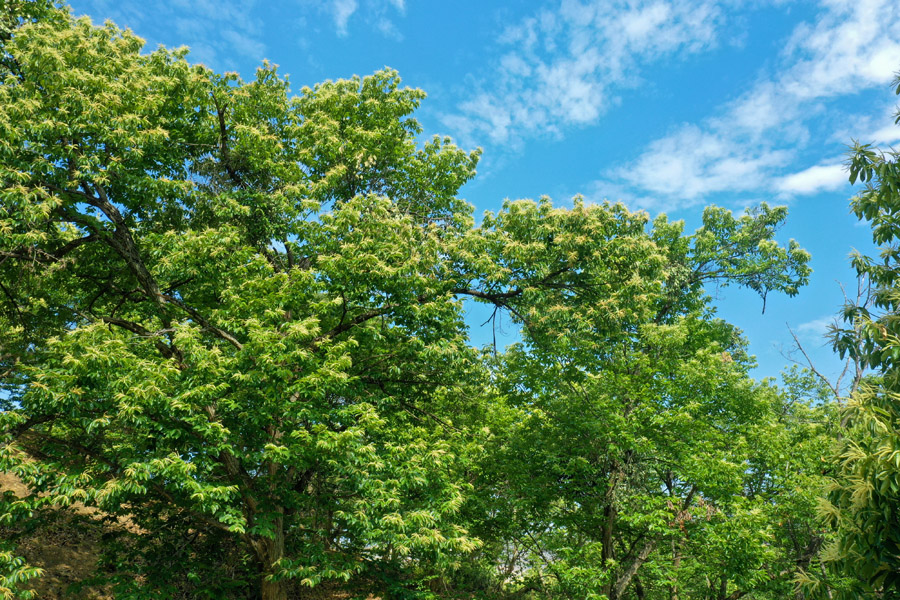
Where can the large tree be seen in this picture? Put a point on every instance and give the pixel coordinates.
(863, 505)
(638, 457)
(232, 319)
(229, 314)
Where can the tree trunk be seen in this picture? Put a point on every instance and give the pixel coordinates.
(270, 551)
(274, 590)
(610, 515)
(676, 564)
(625, 580)
(639, 588)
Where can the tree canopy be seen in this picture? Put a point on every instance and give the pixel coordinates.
(233, 322)
(863, 504)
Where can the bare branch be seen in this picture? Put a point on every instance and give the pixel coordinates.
(834, 387)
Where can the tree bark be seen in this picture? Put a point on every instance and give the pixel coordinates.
(273, 590)
(607, 551)
(625, 580)
(270, 551)
(639, 588)
(676, 564)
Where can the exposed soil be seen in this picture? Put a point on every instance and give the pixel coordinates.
(62, 542)
(65, 543)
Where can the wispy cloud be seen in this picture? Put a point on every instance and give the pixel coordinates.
(342, 11)
(565, 65)
(751, 144)
(374, 13)
(221, 32)
(692, 163)
(814, 179)
(889, 135)
(815, 329)
(215, 30)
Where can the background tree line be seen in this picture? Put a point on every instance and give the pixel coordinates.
(232, 320)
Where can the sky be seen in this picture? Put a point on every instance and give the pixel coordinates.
(665, 105)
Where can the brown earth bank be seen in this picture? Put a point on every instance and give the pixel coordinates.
(65, 542)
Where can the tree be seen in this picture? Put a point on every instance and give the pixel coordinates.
(863, 505)
(232, 319)
(637, 456)
(195, 344)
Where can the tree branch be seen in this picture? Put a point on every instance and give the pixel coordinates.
(623, 581)
(223, 144)
(203, 322)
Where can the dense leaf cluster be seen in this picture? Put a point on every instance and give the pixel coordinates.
(233, 321)
(863, 504)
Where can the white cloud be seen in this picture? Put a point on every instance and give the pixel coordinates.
(122, 14)
(816, 329)
(213, 29)
(889, 135)
(243, 44)
(342, 10)
(373, 12)
(753, 140)
(691, 163)
(564, 67)
(758, 111)
(873, 127)
(814, 179)
(853, 45)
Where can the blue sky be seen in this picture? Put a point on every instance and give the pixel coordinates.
(666, 105)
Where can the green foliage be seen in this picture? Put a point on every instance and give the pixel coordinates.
(233, 323)
(635, 450)
(13, 573)
(864, 497)
(195, 345)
